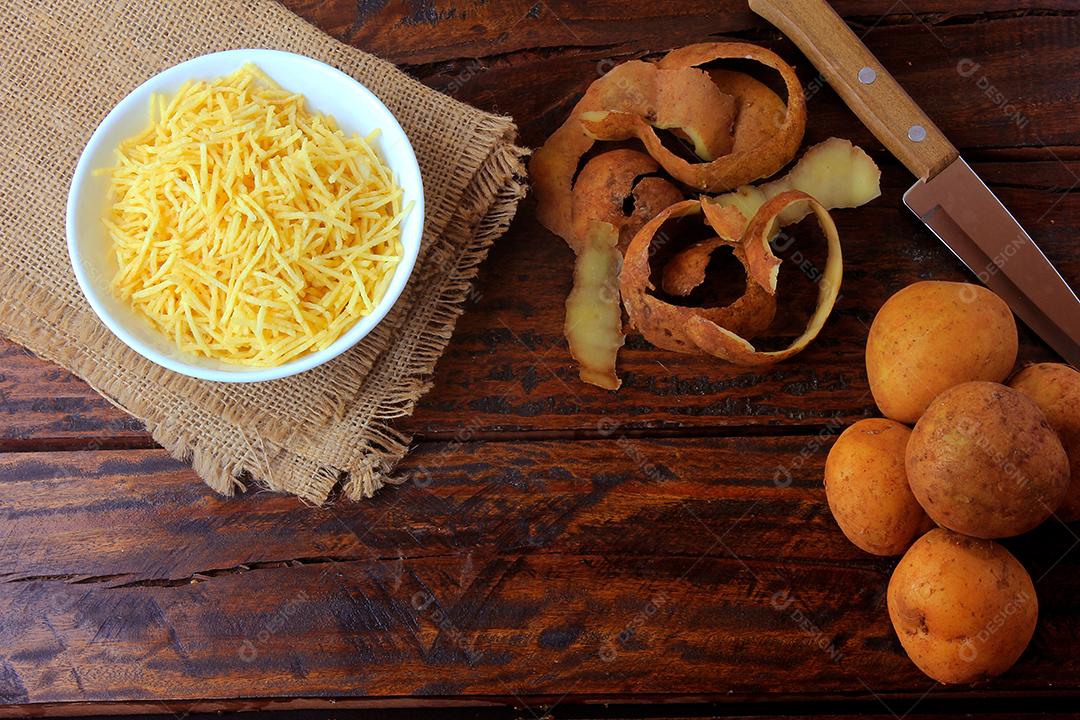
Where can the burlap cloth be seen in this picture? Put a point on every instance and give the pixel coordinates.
(63, 65)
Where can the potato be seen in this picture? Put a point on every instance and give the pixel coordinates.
(867, 488)
(982, 460)
(1055, 388)
(963, 608)
(933, 335)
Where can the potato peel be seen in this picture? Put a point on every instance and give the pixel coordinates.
(612, 211)
(834, 172)
(650, 196)
(552, 169)
(686, 270)
(593, 325)
(604, 186)
(664, 324)
(728, 222)
(762, 264)
(553, 166)
(683, 99)
(723, 334)
(726, 344)
(759, 111)
(728, 171)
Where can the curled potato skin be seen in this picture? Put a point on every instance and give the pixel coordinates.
(682, 99)
(601, 231)
(726, 344)
(759, 109)
(722, 332)
(664, 324)
(593, 325)
(686, 270)
(552, 170)
(742, 131)
(605, 184)
(761, 142)
(837, 173)
(552, 167)
(735, 168)
(764, 265)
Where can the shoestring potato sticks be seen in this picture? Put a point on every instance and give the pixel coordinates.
(248, 228)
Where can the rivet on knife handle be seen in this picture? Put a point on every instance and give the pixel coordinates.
(867, 87)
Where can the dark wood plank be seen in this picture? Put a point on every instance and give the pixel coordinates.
(42, 404)
(508, 370)
(508, 367)
(425, 32)
(600, 569)
(998, 104)
(435, 709)
(354, 709)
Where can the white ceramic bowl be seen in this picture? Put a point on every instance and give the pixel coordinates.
(327, 90)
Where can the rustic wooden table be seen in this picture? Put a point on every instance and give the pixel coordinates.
(665, 550)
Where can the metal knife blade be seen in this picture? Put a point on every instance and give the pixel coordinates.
(966, 215)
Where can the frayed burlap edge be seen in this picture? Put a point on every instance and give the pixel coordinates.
(221, 439)
(375, 472)
(488, 206)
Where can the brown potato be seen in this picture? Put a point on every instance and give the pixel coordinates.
(933, 335)
(1055, 388)
(867, 488)
(984, 461)
(964, 609)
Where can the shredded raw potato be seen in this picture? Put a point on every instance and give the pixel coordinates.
(247, 228)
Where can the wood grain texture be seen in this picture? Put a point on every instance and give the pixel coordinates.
(877, 99)
(607, 568)
(491, 379)
(978, 108)
(508, 369)
(493, 709)
(554, 544)
(426, 31)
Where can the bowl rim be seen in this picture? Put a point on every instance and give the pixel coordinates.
(402, 272)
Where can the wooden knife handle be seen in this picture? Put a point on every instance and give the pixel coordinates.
(867, 87)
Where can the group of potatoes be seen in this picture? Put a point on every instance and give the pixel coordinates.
(984, 460)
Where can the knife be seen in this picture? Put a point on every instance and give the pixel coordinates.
(948, 197)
